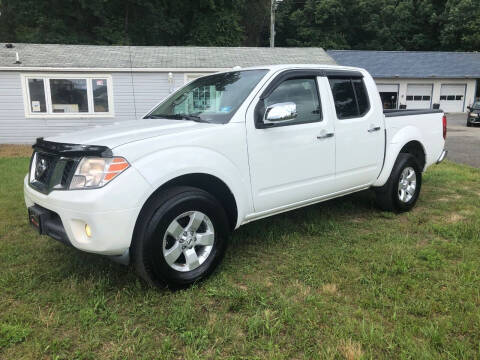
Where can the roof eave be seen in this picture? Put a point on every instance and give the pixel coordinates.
(99, 69)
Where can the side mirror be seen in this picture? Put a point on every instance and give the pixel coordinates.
(469, 108)
(280, 113)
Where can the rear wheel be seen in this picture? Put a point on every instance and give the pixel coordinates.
(180, 237)
(401, 191)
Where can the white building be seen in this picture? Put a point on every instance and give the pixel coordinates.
(47, 90)
(419, 80)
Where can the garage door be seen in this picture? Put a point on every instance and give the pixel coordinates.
(419, 96)
(452, 97)
(387, 88)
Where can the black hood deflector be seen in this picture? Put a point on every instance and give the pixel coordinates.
(71, 150)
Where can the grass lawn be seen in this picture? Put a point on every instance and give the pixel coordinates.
(331, 281)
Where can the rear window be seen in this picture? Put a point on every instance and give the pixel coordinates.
(362, 96)
(350, 96)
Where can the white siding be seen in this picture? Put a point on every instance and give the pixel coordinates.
(130, 102)
(151, 88)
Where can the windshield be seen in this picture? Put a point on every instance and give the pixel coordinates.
(476, 105)
(214, 98)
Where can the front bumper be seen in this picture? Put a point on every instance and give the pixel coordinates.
(442, 156)
(110, 212)
(474, 119)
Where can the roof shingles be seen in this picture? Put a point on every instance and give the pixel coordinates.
(411, 64)
(121, 57)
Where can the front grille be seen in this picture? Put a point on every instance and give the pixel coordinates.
(44, 167)
(67, 173)
(51, 172)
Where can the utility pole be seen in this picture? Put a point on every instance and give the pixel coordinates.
(272, 24)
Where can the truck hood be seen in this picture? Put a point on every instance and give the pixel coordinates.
(124, 132)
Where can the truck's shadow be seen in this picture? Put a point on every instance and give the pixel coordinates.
(85, 267)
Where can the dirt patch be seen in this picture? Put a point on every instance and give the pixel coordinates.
(15, 150)
(449, 198)
(350, 350)
(330, 289)
(358, 219)
(422, 243)
(454, 218)
(303, 290)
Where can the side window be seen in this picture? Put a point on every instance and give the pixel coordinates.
(350, 96)
(362, 96)
(344, 97)
(304, 93)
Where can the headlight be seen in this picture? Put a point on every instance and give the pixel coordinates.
(94, 172)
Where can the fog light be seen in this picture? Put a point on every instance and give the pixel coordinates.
(88, 231)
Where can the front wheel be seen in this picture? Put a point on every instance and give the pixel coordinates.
(180, 237)
(401, 191)
(469, 124)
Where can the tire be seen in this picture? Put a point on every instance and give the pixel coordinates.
(469, 124)
(162, 246)
(399, 197)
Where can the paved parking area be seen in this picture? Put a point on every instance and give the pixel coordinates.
(463, 143)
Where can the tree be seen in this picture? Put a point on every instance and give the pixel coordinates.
(380, 24)
(461, 30)
(332, 24)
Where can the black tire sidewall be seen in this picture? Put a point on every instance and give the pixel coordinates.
(404, 161)
(162, 213)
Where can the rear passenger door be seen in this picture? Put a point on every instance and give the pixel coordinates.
(359, 133)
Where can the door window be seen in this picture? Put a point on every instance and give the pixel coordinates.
(350, 96)
(362, 96)
(302, 92)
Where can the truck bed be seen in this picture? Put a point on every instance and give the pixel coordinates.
(424, 126)
(393, 113)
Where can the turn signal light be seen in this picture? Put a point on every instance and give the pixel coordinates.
(116, 167)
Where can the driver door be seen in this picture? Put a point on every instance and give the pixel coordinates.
(292, 163)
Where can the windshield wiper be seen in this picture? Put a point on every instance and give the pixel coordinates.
(177, 117)
(154, 117)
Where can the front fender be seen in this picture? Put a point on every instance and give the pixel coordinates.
(394, 146)
(162, 166)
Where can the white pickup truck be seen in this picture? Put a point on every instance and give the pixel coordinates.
(164, 192)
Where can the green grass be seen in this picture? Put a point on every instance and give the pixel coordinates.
(335, 280)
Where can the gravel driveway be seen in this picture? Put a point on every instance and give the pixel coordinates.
(463, 144)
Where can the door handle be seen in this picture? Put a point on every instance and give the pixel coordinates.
(325, 136)
(373, 129)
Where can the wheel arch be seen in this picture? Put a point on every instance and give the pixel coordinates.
(207, 182)
(408, 141)
(416, 149)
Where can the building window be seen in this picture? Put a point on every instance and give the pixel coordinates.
(36, 89)
(68, 95)
(100, 95)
